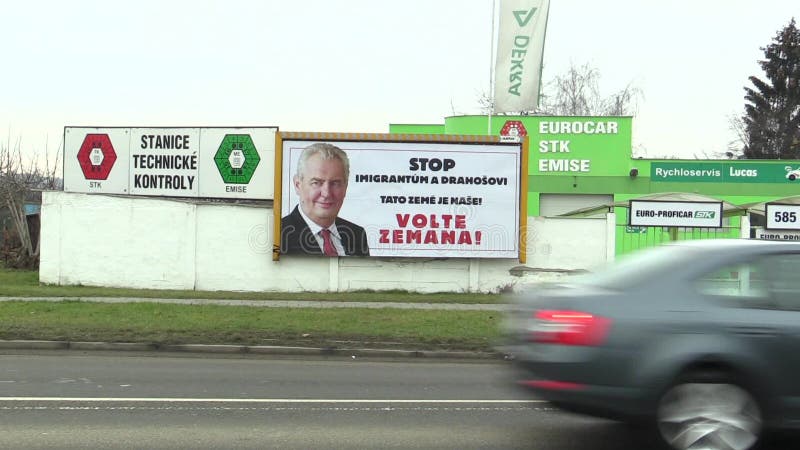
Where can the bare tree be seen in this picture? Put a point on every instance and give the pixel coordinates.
(21, 182)
(741, 141)
(577, 93)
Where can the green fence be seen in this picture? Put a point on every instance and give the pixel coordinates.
(630, 238)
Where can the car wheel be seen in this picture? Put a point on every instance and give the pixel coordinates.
(792, 177)
(709, 415)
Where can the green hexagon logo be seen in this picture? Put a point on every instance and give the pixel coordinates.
(237, 158)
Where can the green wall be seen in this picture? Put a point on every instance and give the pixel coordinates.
(604, 161)
(592, 155)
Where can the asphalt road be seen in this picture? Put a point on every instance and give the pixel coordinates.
(77, 400)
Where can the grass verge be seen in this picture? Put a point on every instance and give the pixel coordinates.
(159, 323)
(182, 324)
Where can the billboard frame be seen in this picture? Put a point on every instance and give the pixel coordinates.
(334, 137)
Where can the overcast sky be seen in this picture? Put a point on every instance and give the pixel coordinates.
(359, 65)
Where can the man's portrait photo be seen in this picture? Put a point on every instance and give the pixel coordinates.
(314, 226)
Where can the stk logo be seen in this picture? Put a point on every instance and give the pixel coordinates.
(523, 17)
(704, 215)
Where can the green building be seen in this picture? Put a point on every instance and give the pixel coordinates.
(584, 166)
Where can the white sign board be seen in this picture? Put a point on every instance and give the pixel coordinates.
(421, 199)
(777, 235)
(782, 217)
(96, 160)
(164, 161)
(237, 163)
(171, 162)
(675, 214)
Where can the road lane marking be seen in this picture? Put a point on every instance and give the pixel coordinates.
(255, 400)
(109, 407)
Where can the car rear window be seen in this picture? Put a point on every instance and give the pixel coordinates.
(639, 267)
(765, 282)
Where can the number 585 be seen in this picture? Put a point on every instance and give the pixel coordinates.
(785, 216)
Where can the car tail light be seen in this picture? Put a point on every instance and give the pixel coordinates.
(552, 385)
(569, 328)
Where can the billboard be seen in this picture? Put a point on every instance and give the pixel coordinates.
(777, 235)
(164, 162)
(644, 213)
(782, 217)
(725, 172)
(211, 162)
(390, 196)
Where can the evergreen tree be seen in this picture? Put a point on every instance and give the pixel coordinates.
(772, 111)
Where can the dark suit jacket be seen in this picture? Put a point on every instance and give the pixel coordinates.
(296, 236)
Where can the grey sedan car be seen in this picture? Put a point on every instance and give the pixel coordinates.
(699, 340)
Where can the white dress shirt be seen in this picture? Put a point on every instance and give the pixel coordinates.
(315, 229)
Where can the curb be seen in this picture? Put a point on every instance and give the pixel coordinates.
(247, 349)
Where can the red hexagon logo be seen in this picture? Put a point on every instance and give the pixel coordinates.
(96, 156)
(513, 128)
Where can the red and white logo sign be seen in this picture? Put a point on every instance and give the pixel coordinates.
(514, 128)
(96, 156)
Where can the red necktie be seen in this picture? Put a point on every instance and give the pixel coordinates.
(327, 245)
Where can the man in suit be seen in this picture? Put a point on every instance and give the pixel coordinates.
(313, 227)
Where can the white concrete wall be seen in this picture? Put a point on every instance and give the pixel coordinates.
(115, 241)
(235, 254)
(569, 243)
(99, 240)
